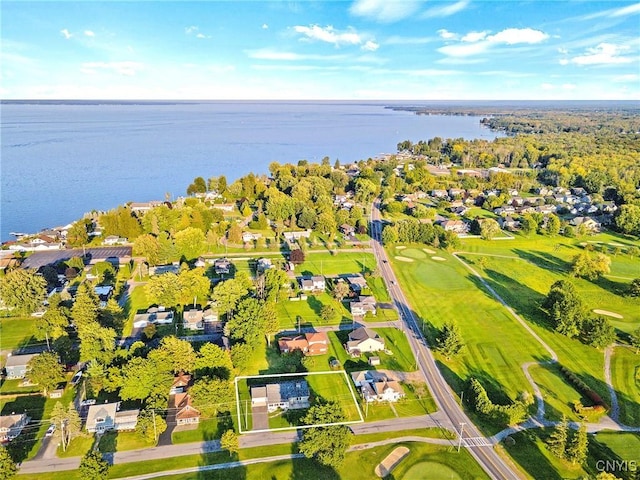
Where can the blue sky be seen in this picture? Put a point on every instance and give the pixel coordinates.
(352, 50)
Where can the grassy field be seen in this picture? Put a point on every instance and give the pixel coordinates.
(337, 264)
(16, 332)
(422, 459)
(309, 311)
(535, 461)
(121, 441)
(625, 376)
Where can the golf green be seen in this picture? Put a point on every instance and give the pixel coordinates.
(435, 470)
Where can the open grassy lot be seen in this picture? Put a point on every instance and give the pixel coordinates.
(309, 311)
(16, 332)
(410, 406)
(558, 394)
(121, 441)
(208, 428)
(336, 264)
(625, 376)
(78, 446)
(626, 446)
(536, 462)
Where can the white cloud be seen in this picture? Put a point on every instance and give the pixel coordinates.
(268, 54)
(370, 46)
(265, 26)
(631, 77)
(202, 35)
(329, 34)
(614, 12)
(396, 40)
(122, 68)
(446, 10)
(447, 35)
(602, 54)
(568, 86)
(512, 36)
(475, 36)
(385, 11)
(479, 42)
(89, 33)
(66, 34)
(547, 86)
(191, 29)
(563, 51)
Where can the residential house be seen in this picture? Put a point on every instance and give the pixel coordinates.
(222, 266)
(357, 283)
(347, 229)
(363, 340)
(157, 315)
(11, 426)
(104, 293)
(200, 263)
(316, 283)
(283, 396)
(439, 193)
(306, 284)
(377, 387)
(225, 207)
(126, 420)
(456, 226)
(362, 306)
(180, 383)
(101, 418)
(508, 223)
(314, 343)
(143, 207)
(186, 413)
(16, 366)
(192, 319)
(161, 269)
(297, 235)
(589, 223)
(250, 237)
(211, 319)
(114, 240)
(263, 264)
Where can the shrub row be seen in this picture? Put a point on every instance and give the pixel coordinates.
(582, 387)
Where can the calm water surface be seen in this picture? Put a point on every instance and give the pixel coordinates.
(61, 160)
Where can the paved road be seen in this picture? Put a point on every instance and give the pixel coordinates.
(487, 457)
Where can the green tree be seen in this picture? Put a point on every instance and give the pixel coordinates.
(275, 282)
(634, 288)
(340, 290)
(635, 339)
(234, 235)
(174, 355)
(53, 324)
(578, 447)
(327, 445)
(270, 320)
(163, 289)
(248, 323)
(327, 312)
(628, 219)
(145, 379)
(241, 355)
(68, 423)
(147, 246)
(389, 235)
(565, 308)
(85, 307)
(193, 285)
(228, 293)
(150, 425)
(190, 243)
(557, 441)
(553, 225)
(212, 395)
(95, 341)
(78, 234)
(591, 267)
(93, 466)
(8, 468)
(23, 290)
(213, 360)
(598, 332)
(230, 442)
(45, 370)
(489, 229)
(450, 341)
(528, 224)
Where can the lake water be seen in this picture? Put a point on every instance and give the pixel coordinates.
(63, 159)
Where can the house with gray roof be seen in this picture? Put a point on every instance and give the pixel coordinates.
(363, 340)
(283, 395)
(16, 366)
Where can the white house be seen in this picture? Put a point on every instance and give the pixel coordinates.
(364, 305)
(363, 340)
(101, 418)
(283, 396)
(377, 387)
(11, 426)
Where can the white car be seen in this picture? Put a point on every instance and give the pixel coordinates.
(89, 402)
(50, 430)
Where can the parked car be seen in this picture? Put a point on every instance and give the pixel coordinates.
(88, 402)
(76, 378)
(50, 430)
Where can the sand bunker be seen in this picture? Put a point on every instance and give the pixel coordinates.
(429, 251)
(607, 313)
(400, 247)
(439, 259)
(391, 461)
(403, 259)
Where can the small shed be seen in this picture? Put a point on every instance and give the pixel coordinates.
(373, 361)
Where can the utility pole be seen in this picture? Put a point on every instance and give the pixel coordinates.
(462, 424)
(246, 414)
(155, 431)
(461, 397)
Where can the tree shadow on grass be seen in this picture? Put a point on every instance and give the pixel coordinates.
(314, 304)
(544, 260)
(33, 406)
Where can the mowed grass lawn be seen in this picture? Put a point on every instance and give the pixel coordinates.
(309, 311)
(16, 332)
(423, 460)
(441, 291)
(339, 264)
(625, 376)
